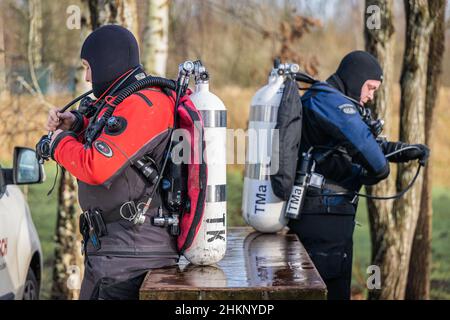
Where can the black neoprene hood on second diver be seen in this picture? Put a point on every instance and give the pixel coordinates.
(111, 51)
(354, 70)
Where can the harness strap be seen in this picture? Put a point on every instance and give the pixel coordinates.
(119, 213)
(315, 204)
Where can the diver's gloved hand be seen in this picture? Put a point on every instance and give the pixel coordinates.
(415, 151)
(423, 158)
(375, 126)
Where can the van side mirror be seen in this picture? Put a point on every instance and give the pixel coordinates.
(26, 167)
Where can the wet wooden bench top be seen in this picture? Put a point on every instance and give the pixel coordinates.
(256, 266)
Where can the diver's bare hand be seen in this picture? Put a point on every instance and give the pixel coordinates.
(57, 120)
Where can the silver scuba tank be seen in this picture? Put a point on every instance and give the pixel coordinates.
(261, 208)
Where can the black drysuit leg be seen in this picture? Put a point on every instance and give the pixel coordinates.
(328, 240)
(116, 278)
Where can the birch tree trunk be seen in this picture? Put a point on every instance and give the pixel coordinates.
(36, 43)
(394, 251)
(420, 267)
(380, 42)
(155, 41)
(3, 84)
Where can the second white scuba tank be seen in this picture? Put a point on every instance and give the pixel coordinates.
(261, 208)
(210, 242)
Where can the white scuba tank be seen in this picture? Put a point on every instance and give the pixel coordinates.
(210, 243)
(261, 208)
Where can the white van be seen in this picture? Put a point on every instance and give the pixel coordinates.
(20, 249)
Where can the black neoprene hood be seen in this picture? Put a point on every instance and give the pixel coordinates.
(355, 69)
(111, 51)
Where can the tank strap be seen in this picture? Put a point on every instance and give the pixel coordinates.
(315, 204)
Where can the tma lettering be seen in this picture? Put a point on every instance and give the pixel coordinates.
(260, 199)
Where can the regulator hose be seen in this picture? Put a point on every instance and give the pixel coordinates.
(71, 103)
(135, 87)
(304, 77)
(142, 84)
(122, 95)
(395, 196)
(368, 196)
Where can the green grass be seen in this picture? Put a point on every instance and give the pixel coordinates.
(440, 273)
(44, 215)
(234, 196)
(43, 210)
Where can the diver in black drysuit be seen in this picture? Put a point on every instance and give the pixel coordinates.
(332, 118)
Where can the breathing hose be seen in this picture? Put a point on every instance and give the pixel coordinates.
(123, 94)
(395, 196)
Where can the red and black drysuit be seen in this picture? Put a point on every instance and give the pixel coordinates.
(107, 180)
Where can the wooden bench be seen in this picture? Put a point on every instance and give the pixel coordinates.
(256, 266)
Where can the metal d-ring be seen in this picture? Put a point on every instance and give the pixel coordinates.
(132, 209)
